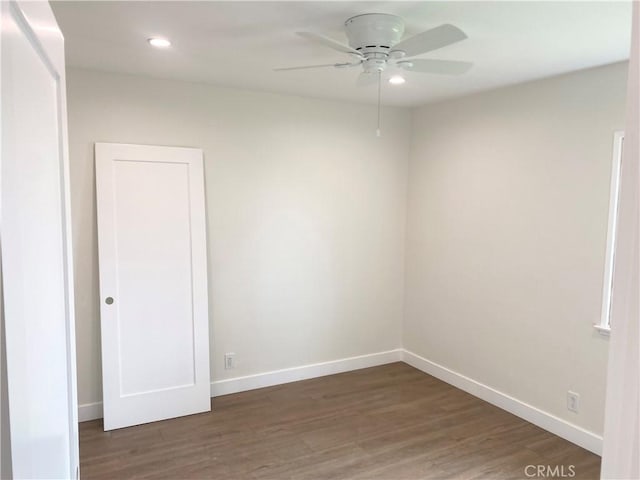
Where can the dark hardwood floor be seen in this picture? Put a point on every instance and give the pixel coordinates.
(388, 422)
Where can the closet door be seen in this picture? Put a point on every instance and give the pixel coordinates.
(153, 283)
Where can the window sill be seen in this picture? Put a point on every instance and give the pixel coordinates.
(604, 331)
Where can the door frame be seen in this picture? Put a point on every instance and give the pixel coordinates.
(40, 26)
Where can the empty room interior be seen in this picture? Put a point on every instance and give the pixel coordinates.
(319, 240)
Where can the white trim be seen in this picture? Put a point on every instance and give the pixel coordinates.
(89, 411)
(604, 326)
(93, 411)
(542, 419)
(604, 331)
(287, 375)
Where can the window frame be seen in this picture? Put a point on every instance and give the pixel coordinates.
(604, 325)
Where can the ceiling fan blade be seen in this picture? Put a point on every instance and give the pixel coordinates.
(305, 67)
(367, 79)
(439, 67)
(329, 42)
(430, 40)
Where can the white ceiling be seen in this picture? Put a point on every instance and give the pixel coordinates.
(237, 43)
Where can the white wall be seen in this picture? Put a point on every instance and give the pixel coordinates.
(306, 213)
(507, 206)
(506, 231)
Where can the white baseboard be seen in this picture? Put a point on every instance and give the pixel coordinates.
(89, 411)
(551, 423)
(542, 419)
(93, 411)
(287, 375)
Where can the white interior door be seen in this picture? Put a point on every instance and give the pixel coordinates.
(153, 283)
(36, 245)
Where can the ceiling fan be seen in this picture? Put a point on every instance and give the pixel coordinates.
(375, 43)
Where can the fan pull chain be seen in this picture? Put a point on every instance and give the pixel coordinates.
(379, 88)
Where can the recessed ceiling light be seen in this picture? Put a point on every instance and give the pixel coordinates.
(396, 80)
(159, 42)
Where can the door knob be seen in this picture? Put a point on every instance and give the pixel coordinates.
(108, 300)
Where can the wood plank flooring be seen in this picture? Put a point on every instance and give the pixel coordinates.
(390, 422)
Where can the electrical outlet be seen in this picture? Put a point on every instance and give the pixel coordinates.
(229, 361)
(573, 401)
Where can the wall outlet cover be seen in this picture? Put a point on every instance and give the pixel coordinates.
(573, 401)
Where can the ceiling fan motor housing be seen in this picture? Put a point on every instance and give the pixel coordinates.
(373, 35)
